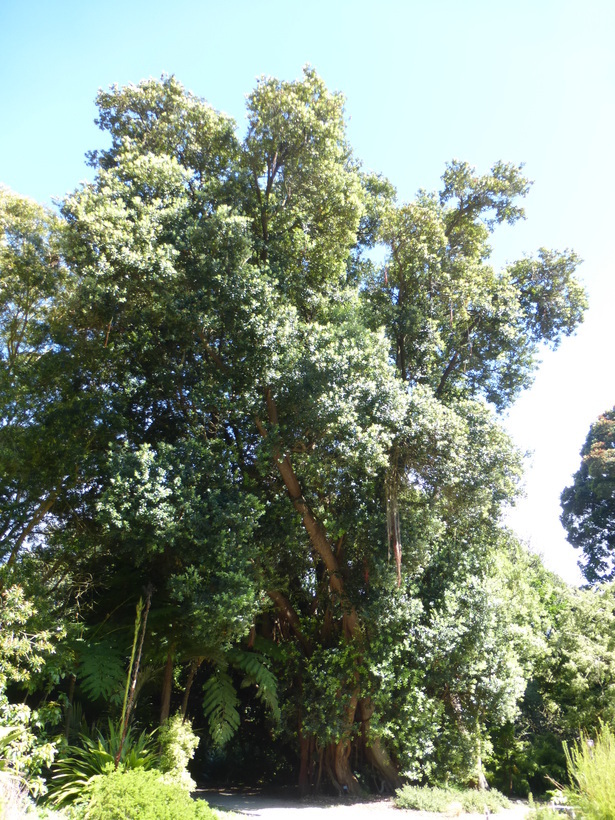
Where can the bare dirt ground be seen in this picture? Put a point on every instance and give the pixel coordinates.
(253, 804)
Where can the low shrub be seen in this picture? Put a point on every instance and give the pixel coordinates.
(24, 749)
(542, 812)
(591, 767)
(432, 798)
(177, 746)
(141, 795)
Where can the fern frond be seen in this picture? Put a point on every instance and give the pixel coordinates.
(270, 649)
(258, 674)
(101, 671)
(220, 707)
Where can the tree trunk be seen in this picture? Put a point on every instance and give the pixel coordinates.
(194, 666)
(306, 766)
(167, 687)
(481, 780)
(68, 709)
(375, 754)
(340, 770)
(343, 776)
(336, 757)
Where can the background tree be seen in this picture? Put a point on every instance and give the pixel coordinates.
(37, 438)
(588, 506)
(570, 680)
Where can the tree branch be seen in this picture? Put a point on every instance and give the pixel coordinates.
(314, 528)
(286, 610)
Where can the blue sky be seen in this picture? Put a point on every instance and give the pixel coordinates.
(529, 82)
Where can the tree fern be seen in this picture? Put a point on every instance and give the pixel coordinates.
(220, 707)
(259, 675)
(102, 671)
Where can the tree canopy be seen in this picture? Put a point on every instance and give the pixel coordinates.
(588, 506)
(295, 448)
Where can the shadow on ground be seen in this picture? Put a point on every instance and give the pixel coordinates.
(254, 803)
(259, 804)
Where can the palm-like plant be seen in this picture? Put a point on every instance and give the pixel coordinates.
(99, 754)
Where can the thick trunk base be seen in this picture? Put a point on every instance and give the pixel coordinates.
(334, 768)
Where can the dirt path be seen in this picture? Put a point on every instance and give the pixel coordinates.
(252, 804)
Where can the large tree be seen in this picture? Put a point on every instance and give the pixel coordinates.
(281, 414)
(588, 506)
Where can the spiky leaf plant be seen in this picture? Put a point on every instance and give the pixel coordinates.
(77, 765)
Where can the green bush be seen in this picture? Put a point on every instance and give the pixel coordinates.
(544, 813)
(24, 748)
(141, 795)
(591, 767)
(177, 746)
(428, 798)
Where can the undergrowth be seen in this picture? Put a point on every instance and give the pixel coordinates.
(440, 799)
(141, 795)
(591, 767)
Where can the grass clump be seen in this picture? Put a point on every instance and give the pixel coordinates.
(591, 767)
(544, 813)
(141, 795)
(443, 799)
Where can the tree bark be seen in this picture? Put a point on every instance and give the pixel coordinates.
(306, 763)
(68, 709)
(167, 687)
(342, 774)
(336, 756)
(375, 753)
(194, 666)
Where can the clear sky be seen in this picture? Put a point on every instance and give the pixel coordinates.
(520, 80)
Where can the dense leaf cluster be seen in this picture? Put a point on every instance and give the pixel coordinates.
(588, 506)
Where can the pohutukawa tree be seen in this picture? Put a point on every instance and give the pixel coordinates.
(284, 417)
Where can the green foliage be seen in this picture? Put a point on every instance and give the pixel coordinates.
(588, 507)
(22, 649)
(454, 322)
(76, 766)
(258, 674)
(32, 287)
(570, 685)
(306, 196)
(259, 407)
(452, 660)
(101, 670)
(220, 707)
(220, 701)
(543, 813)
(178, 744)
(140, 795)
(591, 766)
(430, 798)
(328, 677)
(25, 748)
